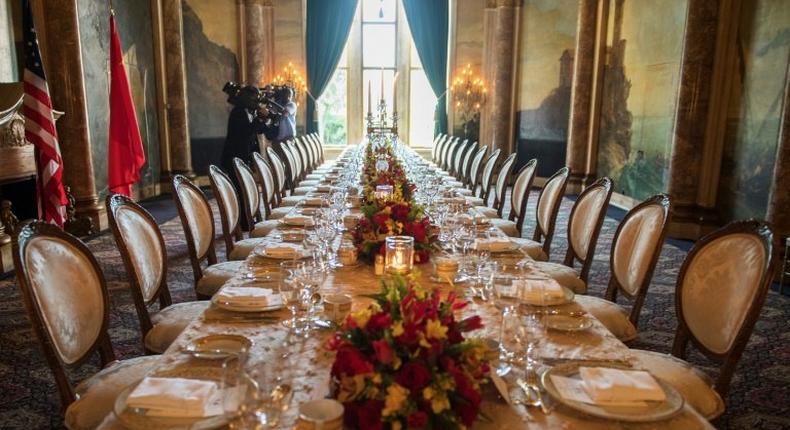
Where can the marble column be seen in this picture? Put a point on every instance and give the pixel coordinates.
(779, 199)
(259, 41)
(176, 89)
(503, 60)
(486, 115)
(577, 152)
(686, 164)
(67, 89)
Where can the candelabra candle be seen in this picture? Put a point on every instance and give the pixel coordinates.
(399, 254)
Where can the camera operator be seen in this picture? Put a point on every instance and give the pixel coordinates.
(245, 123)
(287, 127)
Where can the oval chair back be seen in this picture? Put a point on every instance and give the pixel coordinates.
(584, 224)
(488, 173)
(267, 183)
(636, 247)
(250, 196)
(520, 193)
(503, 178)
(197, 221)
(474, 169)
(66, 298)
(548, 207)
(720, 291)
(144, 255)
(466, 163)
(278, 169)
(229, 208)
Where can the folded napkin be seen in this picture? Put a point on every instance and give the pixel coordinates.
(284, 250)
(313, 201)
(250, 297)
(606, 385)
(529, 290)
(296, 219)
(176, 397)
(323, 188)
(494, 244)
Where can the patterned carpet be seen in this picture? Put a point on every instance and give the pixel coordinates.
(759, 399)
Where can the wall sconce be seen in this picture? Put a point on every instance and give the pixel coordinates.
(469, 93)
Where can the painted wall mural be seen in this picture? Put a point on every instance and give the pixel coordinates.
(211, 55)
(134, 27)
(546, 52)
(645, 45)
(755, 107)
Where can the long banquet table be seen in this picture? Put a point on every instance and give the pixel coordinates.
(311, 363)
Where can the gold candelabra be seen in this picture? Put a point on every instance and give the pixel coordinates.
(469, 93)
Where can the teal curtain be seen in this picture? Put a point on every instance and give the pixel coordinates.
(328, 24)
(429, 21)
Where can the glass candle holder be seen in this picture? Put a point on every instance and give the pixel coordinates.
(399, 256)
(384, 191)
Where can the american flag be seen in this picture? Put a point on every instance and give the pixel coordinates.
(40, 128)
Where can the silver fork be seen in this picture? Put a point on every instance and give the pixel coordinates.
(533, 383)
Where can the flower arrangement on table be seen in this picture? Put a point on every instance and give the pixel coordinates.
(404, 362)
(394, 215)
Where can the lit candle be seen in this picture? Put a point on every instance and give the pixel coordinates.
(399, 255)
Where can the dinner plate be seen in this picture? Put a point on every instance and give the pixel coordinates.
(562, 322)
(293, 235)
(297, 222)
(566, 298)
(218, 346)
(653, 411)
(262, 252)
(138, 418)
(228, 306)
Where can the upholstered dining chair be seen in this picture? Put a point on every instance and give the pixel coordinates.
(271, 210)
(435, 147)
(500, 186)
(439, 149)
(635, 250)
(250, 195)
(466, 163)
(66, 299)
(584, 225)
(546, 210)
(448, 153)
(474, 168)
(719, 293)
(301, 187)
(458, 161)
(198, 223)
(481, 199)
(278, 169)
(144, 256)
(236, 246)
(519, 195)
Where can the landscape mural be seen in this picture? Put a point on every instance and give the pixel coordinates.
(211, 55)
(133, 19)
(546, 53)
(755, 107)
(644, 47)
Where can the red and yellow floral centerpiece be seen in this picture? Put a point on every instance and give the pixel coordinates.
(394, 215)
(404, 361)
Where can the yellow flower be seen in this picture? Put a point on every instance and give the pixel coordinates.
(351, 387)
(362, 317)
(435, 330)
(377, 378)
(396, 425)
(439, 400)
(397, 329)
(396, 397)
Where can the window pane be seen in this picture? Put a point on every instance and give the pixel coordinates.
(378, 10)
(373, 77)
(332, 111)
(378, 45)
(421, 109)
(415, 57)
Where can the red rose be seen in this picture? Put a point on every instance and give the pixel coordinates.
(369, 415)
(384, 353)
(349, 361)
(417, 230)
(400, 212)
(380, 219)
(413, 376)
(421, 256)
(417, 420)
(379, 321)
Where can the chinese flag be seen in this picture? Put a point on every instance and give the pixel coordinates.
(126, 155)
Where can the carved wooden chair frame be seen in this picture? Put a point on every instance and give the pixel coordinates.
(519, 220)
(546, 233)
(210, 256)
(229, 236)
(570, 256)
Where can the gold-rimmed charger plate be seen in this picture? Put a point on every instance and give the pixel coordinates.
(653, 411)
(561, 322)
(218, 346)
